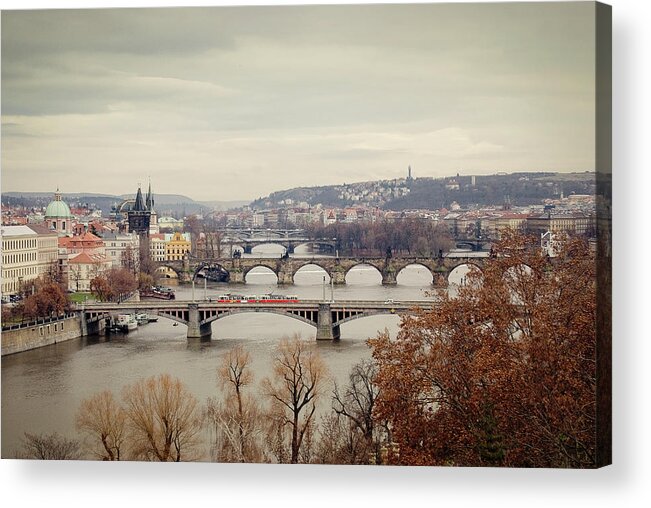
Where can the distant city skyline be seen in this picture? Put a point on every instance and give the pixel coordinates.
(223, 104)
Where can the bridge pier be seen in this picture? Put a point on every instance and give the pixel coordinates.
(389, 277)
(325, 330)
(93, 326)
(338, 276)
(236, 277)
(84, 324)
(285, 277)
(196, 330)
(440, 279)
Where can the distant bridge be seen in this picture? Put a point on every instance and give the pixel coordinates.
(285, 268)
(327, 317)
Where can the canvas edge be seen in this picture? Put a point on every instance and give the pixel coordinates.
(603, 175)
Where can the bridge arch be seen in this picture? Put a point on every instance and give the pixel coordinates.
(270, 243)
(261, 263)
(306, 316)
(403, 271)
(459, 271)
(259, 270)
(363, 315)
(167, 272)
(354, 278)
(303, 271)
(207, 268)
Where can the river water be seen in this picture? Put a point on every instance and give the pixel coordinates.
(42, 388)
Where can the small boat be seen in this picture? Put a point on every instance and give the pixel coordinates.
(142, 318)
(175, 324)
(127, 322)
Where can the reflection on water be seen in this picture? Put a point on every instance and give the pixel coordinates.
(42, 389)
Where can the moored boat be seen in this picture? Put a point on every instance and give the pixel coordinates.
(126, 322)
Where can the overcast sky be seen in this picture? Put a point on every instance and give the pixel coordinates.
(235, 103)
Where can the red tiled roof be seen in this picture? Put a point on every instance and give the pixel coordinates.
(85, 258)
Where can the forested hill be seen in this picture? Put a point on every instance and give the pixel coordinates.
(430, 193)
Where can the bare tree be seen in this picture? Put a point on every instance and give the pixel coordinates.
(49, 447)
(128, 260)
(340, 442)
(298, 377)
(76, 275)
(103, 421)
(236, 419)
(357, 402)
(163, 418)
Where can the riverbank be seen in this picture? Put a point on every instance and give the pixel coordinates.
(39, 333)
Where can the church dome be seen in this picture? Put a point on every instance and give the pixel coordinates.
(57, 208)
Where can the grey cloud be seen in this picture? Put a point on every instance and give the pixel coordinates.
(300, 93)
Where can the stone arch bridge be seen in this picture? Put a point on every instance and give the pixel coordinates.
(286, 267)
(326, 317)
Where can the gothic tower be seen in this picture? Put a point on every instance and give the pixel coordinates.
(139, 215)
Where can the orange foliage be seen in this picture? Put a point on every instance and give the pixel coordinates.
(504, 373)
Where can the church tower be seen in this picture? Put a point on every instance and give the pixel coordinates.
(139, 216)
(153, 216)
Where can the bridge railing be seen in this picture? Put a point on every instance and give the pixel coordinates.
(37, 322)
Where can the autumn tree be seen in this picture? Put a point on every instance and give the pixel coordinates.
(114, 284)
(100, 287)
(103, 421)
(145, 281)
(43, 298)
(49, 447)
(236, 419)
(298, 378)
(53, 273)
(163, 419)
(502, 374)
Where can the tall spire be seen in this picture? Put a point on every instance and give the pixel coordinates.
(139, 205)
(150, 199)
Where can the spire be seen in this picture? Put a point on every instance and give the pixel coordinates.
(139, 205)
(150, 199)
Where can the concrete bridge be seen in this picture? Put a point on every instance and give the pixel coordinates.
(286, 267)
(326, 317)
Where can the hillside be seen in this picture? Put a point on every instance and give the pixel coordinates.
(165, 204)
(430, 193)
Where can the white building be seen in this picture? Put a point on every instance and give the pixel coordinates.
(47, 246)
(170, 223)
(84, 267)
(123, 249)
(157, 247)
(28, 252)
(19, 257)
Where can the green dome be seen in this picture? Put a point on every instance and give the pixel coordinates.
(57, 209)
